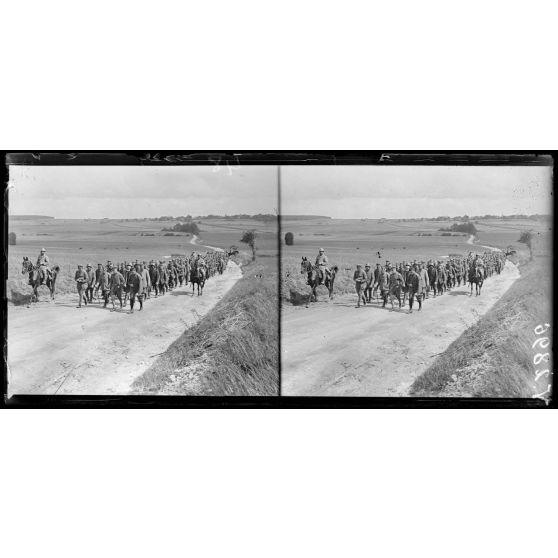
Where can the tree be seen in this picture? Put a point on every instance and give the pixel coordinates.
(289, 239)
(249, 237)
(526, 237)
(12, 239)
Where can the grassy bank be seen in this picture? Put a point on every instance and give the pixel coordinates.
(233, 350)
(494, 358)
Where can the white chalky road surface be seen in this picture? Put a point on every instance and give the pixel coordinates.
(334, 349)
(55, 348)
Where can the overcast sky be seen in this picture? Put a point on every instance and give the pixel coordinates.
(414, 191)
(75, 192)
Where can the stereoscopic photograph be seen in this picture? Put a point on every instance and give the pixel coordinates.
(417, 280)
(142, 280)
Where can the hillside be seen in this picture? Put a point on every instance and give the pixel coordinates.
(494, 357)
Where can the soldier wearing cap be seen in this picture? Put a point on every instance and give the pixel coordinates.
(133, 285)
(381, 282)
(322, 263)
(413, 288)
(116, 285)
(146, 281)
(154, 276)
(359, 277)
(424, 280)
(102, 283)
(369, 281)
(43, 265)
(90, 285)
(80, 278)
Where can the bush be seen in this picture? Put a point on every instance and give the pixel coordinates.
(289, 239)
(468, 228)
(189, 227)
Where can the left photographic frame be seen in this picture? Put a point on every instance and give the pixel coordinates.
(141, 275)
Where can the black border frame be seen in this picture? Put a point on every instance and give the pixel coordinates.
(260, 157)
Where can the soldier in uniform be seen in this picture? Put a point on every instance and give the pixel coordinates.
(102, 283)
(322, 263)
(146, 281)
(43, 266)
(117, 285)
(413, 288)
(369, 282)
(395, 282)
(134, 284)
(154, 276)
(424, 280)
(381, 281)
(162, 278)
(80, 278)
(90, 282)
(360, 279)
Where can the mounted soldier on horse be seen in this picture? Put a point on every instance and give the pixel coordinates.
(198, 273)
(40, 274)
(319, 274)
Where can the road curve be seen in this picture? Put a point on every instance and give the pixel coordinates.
(334, 349)
(54, 348)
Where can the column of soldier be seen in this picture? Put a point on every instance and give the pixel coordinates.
(416, 280)
(137, 280)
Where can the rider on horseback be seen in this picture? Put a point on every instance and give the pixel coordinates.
(43, 266)
(199, 263)
(478, 265)
(321, 262)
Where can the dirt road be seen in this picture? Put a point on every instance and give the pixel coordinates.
(334, 349)
(55, 348)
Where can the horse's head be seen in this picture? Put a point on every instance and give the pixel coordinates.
(26, 265)
(305, 266)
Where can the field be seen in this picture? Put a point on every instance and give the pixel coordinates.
(457, 346)
(70, 242)
(351, 241)
(226, 340)
(233, 350)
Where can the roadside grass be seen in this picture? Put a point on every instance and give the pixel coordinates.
(233, 350)
(494, 357)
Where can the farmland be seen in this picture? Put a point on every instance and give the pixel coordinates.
(70, 242)
(351, 241)
(232, 329)
(331, 349)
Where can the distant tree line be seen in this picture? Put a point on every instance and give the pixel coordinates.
(468, 228)
(258, 217)
(534, 217)
(189, 227)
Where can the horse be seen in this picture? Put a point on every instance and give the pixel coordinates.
(35, 278)
(476, 276)
(198, 277)
(315, 277)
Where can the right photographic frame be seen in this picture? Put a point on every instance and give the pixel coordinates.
(417, 276)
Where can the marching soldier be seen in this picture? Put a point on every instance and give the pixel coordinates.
(80, 278)
(359, 277)
(369, 282)
(134, 284)
(90, 285)
(413, 288)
